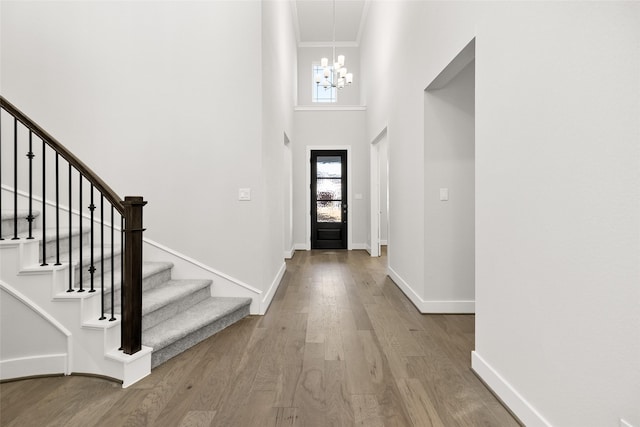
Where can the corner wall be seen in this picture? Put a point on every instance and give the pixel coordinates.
(557, 206)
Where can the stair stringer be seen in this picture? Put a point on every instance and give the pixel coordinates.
(223, 285)
(92, 343)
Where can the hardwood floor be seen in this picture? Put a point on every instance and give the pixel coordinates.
(340, 346)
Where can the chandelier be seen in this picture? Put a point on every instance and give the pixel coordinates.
(335, 75)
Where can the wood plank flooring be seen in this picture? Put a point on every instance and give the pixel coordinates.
(340, 346)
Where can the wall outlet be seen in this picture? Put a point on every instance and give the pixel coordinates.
(244, 194)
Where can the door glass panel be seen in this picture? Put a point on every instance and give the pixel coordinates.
(329, 167)
(329, 189)
(329, 211)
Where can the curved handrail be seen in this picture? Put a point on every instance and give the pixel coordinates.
(90, 175)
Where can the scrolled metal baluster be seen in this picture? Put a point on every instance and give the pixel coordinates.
(92, 268)
(30, 156)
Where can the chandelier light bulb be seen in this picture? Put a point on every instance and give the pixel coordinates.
(336, 77)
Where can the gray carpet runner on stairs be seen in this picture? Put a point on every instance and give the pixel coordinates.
(176, 314)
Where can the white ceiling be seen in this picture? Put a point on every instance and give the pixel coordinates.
(314, 21)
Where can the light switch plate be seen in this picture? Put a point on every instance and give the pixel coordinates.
(444, 194)
(244, 194)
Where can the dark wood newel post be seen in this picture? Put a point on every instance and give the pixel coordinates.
(132, 286)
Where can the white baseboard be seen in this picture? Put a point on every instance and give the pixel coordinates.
(429, 306)
(522, 409)
(268, 297)
(358, 246)
(288, 254)
(47, 364)
(368, 248)
(301, 247)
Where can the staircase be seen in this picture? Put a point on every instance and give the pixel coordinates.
(176, 314)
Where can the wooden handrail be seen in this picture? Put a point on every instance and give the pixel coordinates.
(130, 209)
(90, 175)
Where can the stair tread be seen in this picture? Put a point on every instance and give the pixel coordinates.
(170, 291)
(190, 320)
(149, 268)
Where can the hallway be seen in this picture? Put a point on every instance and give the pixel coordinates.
(340, 345)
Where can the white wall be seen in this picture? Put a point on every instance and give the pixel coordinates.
(557, 206)
(449, 239)
(329, 129)
(279, 83)
(164, 100)
(350, 95)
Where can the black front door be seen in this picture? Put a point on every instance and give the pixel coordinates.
(328, 199)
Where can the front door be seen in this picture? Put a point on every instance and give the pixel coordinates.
(328, 199)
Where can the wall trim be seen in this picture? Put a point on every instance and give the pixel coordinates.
(330, 108)
(288, 254)
(522, 409)
(28, 366)
(430, 306)
(268, 297)
(329, 44)
(201, 265)
(301, 247)
(360, 246)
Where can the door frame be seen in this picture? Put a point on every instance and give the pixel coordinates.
(349, 191)
(374, 181)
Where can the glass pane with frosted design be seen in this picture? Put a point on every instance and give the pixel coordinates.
(329, 211)
(329, 167)
(329, 189)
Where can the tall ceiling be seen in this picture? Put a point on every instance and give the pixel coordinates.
(314, 21)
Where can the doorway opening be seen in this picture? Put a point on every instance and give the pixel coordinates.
(379, 168)
(329, 205)
(449, 185)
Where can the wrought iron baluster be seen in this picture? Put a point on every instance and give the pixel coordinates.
(80, 273)
(1, 238)
(57, 214)
(15, 179)
(30, 155)
(92, 269)
(121, 277)
(70, 234)
(102, 316)
(44, 204)
(113, 273)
